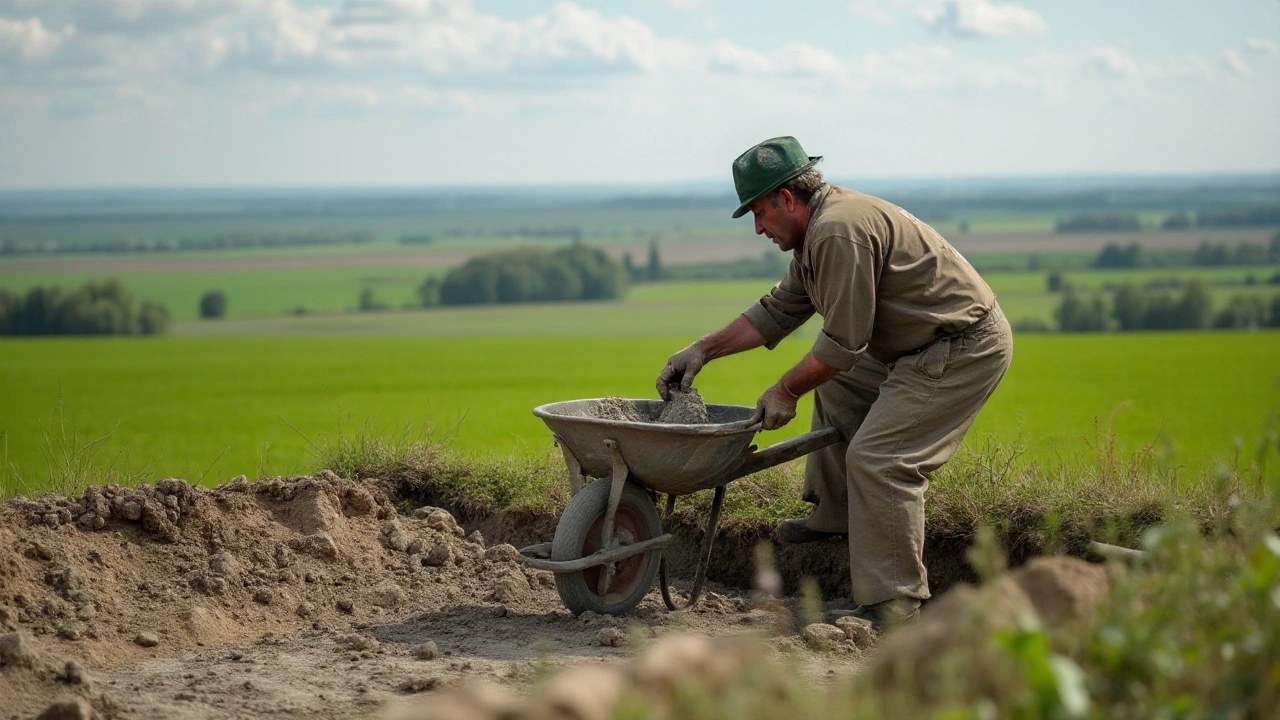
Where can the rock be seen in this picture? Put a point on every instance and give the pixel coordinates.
(357, 501)
(859, 630)
(427, 651)
(76, 709)
(475, 538)
(439, 554)
(263, 596)
(397, 540)
(346, 606)
(416, 547)
(821, 636)
(16, 650)
(440, 518)
(318, 546)
(511, 587)
(86, 611)
(66, 632)
(73, 673)
(223, 564)
(503, 553)
(611, 637)
(389, 595)
(586, 692)
(417, 685)
(284, 557)
(131, 510)
(147, 639)
(357, 642)
(306, 609)
(1062, 588)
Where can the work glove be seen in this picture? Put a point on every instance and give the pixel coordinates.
(680, 370)
(776, 407)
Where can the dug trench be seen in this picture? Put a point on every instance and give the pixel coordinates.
(322, 596)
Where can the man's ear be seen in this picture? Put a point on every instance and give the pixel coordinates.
(788, 199)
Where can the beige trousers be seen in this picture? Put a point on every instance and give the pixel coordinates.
(903, 421)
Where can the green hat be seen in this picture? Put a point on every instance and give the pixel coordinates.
(764, 168)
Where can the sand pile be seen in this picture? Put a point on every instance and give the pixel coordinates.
(123, 574)
(682, 409)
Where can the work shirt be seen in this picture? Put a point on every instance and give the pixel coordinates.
(883, 282)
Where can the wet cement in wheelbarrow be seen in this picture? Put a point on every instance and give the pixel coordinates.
(682, 409)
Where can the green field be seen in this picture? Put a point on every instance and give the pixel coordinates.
(212, 408)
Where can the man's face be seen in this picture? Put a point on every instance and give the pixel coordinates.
(776, 219)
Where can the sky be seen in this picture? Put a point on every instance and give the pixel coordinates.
(373, 93)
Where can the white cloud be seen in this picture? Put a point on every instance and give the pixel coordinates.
(982, 18)
(1234, 64)
(1261, 46)
(1110, 62)
(685, 4)
(28, 42)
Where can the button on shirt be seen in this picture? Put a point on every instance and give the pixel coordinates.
(883, 282)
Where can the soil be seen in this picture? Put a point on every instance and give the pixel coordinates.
(299, 597)
(682, 409)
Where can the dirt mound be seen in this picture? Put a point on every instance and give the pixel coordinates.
(120, 575)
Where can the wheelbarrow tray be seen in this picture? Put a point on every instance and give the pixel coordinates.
(669, 458)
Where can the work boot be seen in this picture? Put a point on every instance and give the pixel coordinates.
(797, 531)
(884, 616)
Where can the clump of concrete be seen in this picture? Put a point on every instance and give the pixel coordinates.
(684, 409)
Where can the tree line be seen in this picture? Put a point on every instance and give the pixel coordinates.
(575, 272)
(105, 308)
(1206, 254)
(1259, 215)
(1130, 307)
(226, 241)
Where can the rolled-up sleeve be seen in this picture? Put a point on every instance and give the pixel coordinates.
(844, 288)
(785, 308)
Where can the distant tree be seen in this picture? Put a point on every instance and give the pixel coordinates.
(1273, 318)
(153, 318)
(1129, 306)
(655, 262)
(1105, 222)
(367, 301)
(1115, 256)
(1055, 281)
(105, 308)
(1195, 308)
(1076, 314)
(213, 305)
(1211, 254)
(575, 272)
(1242, 311)
(1176, 221)
(429, 292)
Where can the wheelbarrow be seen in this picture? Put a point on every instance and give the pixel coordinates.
(608, 544)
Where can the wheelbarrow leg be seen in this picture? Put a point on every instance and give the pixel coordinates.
(572, 465)
(704, 554)
(663, 583)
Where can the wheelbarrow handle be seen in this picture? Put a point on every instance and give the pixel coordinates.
(782, 452)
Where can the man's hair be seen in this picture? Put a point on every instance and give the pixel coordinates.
(803, 186)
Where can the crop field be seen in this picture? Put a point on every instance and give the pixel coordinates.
(211, 408)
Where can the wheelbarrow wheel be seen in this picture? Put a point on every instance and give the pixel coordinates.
(578, 535)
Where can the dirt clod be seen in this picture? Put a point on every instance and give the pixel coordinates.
(611, 637)
(821, 636)
(684, 409)
(68, 710)
(16, 650)
(146, 639)
(427, 651)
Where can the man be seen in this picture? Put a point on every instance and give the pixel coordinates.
(912, 345)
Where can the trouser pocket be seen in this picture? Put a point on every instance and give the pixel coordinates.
(932, 363)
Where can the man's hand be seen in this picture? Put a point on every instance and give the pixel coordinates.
(681, 369)
(776, 407)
